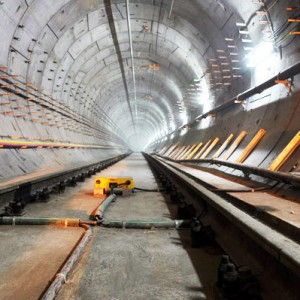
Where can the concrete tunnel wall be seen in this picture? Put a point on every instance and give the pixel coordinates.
(279, 117)
(66, 49)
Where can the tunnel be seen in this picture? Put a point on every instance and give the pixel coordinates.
(184, 97)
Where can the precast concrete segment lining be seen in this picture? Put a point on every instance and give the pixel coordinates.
(151, 89)
(145, 59)
(163, 42)
(152, 86)
(143, 119)
(58, 26)
(105, 68)
(279, 118)
(166, 86)
(82, 42)
(56, 44)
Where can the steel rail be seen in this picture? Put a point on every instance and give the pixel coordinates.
(274, 175)
(284, 249)
(23, 189)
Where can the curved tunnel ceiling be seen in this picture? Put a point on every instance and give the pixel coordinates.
(185, 55)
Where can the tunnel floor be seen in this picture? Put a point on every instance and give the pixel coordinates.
(141, 264)
(117, 263)
(31, 256)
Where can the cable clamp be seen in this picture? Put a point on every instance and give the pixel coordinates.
(237, 100)
(13, 221)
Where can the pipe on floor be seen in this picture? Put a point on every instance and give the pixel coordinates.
(147, 190)
(137, 224)
(39, 221)
(99, 215)
(60, 277)
(147, 224)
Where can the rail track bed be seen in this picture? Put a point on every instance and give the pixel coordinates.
(250, 225)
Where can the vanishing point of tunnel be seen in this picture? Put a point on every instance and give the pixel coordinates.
(149, 149)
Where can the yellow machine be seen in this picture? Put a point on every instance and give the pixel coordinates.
(104, 184)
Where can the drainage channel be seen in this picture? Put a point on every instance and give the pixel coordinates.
(274, 256)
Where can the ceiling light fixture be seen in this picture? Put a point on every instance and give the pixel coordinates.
(259, 54)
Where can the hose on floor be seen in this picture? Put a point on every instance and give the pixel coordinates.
(44, 221)
(146, 190)
(147, 224)
(39, 221)
(99, 214)
(137, 224)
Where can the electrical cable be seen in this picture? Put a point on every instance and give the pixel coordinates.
(289, 43)
(272, 5)
(284, 27)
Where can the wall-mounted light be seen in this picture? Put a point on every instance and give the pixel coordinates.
(259, 54)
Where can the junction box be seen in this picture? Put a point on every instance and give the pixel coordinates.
(102, 185)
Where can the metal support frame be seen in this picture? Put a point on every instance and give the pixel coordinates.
(274, 175)
(286, 74)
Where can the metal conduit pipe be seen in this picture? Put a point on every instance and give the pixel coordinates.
(275, 175)
(39, 221)
(147, 224)
(60, 277)
(99, 215)
(137, 224)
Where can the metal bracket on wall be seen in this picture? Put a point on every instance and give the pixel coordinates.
(285, 153)
(286, 83)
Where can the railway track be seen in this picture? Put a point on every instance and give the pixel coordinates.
(16, 193)
(254, 225)
(233, 213)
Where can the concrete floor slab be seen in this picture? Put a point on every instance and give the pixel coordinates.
(117, 264)
(143, 264)
(31, 256)
(75, 202)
